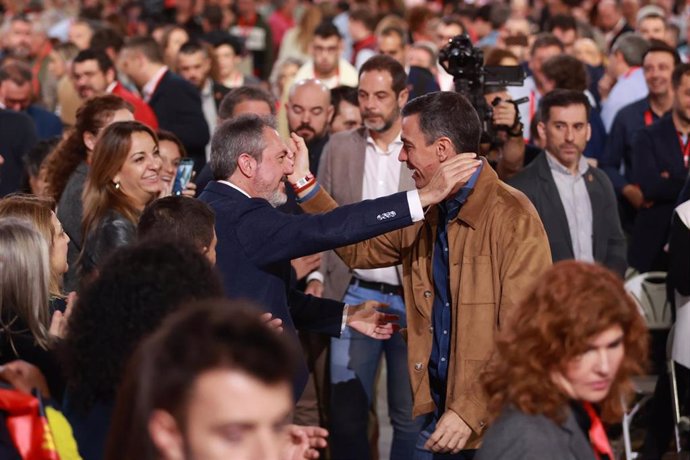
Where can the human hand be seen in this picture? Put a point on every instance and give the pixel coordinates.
(24, 377)
(605, 85)
(450, 436)
(450, 176)
(274, 323)
(304, 442)
(634, 195)
(58, 323)
(301, 157)
(366, 319)
(189, 189)
(505, 114)
(306, 264)
(315, 288)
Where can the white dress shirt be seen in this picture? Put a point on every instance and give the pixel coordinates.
(151, 85)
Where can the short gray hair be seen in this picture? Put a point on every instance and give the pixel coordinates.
(234, 137)
(633, 48)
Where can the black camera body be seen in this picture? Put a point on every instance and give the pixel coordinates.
(466, 64)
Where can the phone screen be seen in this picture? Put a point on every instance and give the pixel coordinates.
(183, 176)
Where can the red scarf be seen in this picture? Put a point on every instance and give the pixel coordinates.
(597, 434)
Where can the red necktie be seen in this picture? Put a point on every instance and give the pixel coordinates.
(597, 434)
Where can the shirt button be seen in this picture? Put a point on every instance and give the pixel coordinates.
(427, 294)
(445, 249)
(445, 332)
(447, 304)
(443, 359)
(418, 366)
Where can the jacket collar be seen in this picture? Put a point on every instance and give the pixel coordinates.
(484, 189)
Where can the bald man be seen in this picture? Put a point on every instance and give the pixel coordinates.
(309, 110)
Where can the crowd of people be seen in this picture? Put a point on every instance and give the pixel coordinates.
(364, 194)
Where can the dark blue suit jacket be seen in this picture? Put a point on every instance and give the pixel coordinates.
(48, 124)
(656, 151)
(177, 104)
(628, 121)
(17, 137)
(256, 243)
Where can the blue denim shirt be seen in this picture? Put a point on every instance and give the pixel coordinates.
(441, 309)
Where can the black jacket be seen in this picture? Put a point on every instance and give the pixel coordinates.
(608, 242)
(112, 232)
(177, 104)
(658, 168)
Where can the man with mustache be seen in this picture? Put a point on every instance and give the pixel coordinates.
(309, 110)
(575, 201)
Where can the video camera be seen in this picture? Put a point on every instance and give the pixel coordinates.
(466, 64)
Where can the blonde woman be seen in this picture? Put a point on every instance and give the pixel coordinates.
(40, 213)
(26, 331)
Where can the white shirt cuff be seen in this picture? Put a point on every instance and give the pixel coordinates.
(315, 275)
(415, 204)
(344, 323)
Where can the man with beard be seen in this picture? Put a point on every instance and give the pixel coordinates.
(660, 157)
(308, 111)
(575, 201)
(357, 165)
(256, 242)
(194, 65)
(94, 74)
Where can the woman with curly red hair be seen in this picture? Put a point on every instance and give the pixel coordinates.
(567, 360)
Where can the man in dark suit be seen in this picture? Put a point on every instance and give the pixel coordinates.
(660, 158)
(175, 101)
(657, 64)
(17, 137)
(16, 93)
(194, 65)
(575, 201)
(256, 241)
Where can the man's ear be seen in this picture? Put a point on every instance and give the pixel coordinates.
(403, 97)
(246, 164)
(330, 111)
(589, 131)
(444, 148)
(166, 436)
(541, 129)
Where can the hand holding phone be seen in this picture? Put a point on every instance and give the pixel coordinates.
(183, 175)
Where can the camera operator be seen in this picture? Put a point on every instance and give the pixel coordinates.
(506, 151)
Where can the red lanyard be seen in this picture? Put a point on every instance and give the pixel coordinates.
(532, 105)
(648, 117)
(597, 434)
(630, 71)
(685, 149)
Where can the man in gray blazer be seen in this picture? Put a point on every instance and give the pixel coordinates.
(357, 165)
(575, 201)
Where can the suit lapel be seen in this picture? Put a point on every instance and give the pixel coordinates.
(578, 443)
(355, 166)
(550, 191)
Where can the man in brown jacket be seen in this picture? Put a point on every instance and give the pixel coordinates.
(465, 268)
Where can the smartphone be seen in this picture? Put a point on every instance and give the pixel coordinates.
(183, 176)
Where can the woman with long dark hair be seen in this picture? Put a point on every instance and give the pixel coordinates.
(124, 177)
(68, 165)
